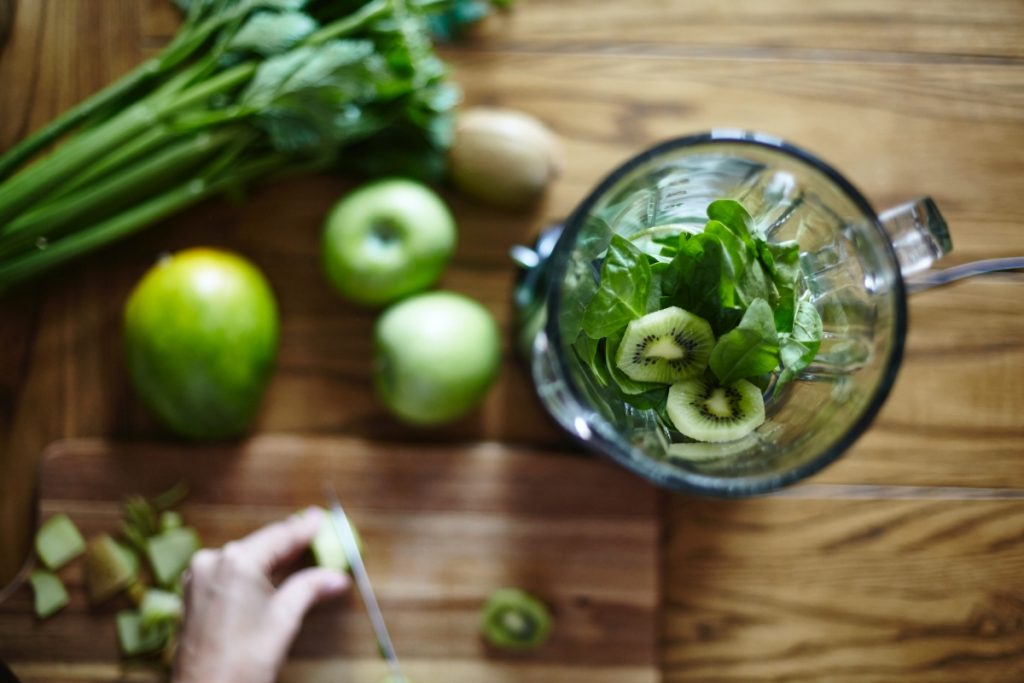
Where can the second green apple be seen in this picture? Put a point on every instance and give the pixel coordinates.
(387, 240)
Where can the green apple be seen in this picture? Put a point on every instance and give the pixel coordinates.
(436, 356)
(387, 240)
(200, 336)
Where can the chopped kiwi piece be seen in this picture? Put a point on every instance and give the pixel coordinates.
(326, 546)
(701, 452)
(666, 346)
(514, 619)
(704, 410)
(170, 520)
(50, 595)
(58, 541)
(109, 568)
(169, 553)
(134, 638)
(159, 606)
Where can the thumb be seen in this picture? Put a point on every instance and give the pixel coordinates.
(300, 592)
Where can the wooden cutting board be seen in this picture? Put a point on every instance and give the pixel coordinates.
(443, 526)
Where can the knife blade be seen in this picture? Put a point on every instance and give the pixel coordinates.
(343, 530)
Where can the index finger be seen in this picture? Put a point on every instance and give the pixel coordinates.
(270, 547)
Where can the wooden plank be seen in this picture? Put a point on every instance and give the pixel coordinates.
(845, 590)
(442, 527)
(815, 31)
(954, 416)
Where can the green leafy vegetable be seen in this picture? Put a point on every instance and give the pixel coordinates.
(622, 294)
(737, 259)
(748, 289)
(752, 348)
(247, 90)
(267, 33)
(698, 280)
(801, 346)
(731, 213)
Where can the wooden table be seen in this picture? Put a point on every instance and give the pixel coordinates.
(903, 562)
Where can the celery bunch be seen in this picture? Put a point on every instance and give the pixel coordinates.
(247, 90)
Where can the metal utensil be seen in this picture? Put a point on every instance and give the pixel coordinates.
(349, 545)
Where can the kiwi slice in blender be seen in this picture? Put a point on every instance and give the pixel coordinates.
(515, 620)
(666, 346)
(705, 410)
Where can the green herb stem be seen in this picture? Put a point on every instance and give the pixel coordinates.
(42, 177)
(180, 49)
(149, 142)
(353, 22)
(130, 221)
(74, 117)
(55, 217)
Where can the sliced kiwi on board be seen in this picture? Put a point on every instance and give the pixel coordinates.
(515, 620)
(666, 346)
(704, 410)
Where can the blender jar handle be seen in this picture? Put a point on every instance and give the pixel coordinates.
(920, 236)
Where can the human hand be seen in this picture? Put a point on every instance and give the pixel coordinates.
(238, 626)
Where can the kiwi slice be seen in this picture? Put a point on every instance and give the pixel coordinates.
(704, 410)
(515, 620)
(666, 346)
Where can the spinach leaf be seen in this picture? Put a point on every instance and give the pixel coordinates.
(735, 252)
(785, 310)
(806, 322)
(697, 280)
(655, 399)
(755, 284)
(732, 214)
(799, 348)
(622, 294)
(752, 348)
(586, 348)
(654, 293)
(782, 261)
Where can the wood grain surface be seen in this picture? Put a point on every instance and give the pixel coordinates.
(442, 528)
(902, 562)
